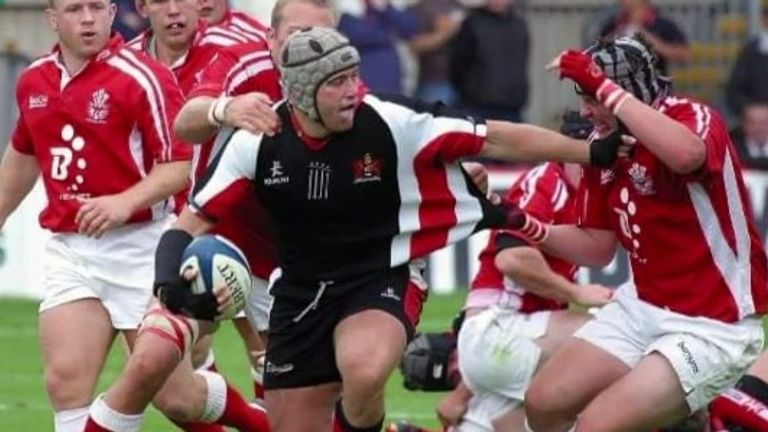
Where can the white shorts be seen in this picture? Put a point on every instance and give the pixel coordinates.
(117, 269)
(497, 353)
(259, 303)
(708, 356)
(482, 409)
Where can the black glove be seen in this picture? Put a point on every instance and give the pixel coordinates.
(603, 151)
(170, 288)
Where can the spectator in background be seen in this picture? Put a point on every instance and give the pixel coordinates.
(128, 22)
(489, 61)
(664, 35)
(747, 83)
(439, 20)
(751, 137)
(375, 27)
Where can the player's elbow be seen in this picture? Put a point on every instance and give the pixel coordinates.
(691, 157)
(512, 262)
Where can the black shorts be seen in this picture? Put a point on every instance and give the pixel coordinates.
(300, 348)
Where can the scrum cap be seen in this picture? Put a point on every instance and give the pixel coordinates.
(308, 58)
(630, 63)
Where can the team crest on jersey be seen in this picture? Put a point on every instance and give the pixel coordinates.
(276, 175)
(641, 180)
(37, 101)
(606, 176)
(366, 170)
(98, 108)
(319, 180)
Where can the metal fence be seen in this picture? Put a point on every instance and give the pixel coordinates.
(11, 66)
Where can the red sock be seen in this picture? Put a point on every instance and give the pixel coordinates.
(241, 416)
(738, 408)
(258, 390)
(92, 426)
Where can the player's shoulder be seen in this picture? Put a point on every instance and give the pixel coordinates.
(220, 36)
(691, 110)
(37, 69)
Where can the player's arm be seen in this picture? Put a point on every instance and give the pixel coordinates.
(18, 173)
(581, 246)
(518, 142)
(202, 116)
(527, 267)
(676, 145)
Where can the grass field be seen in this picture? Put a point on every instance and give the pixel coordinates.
(24, 405)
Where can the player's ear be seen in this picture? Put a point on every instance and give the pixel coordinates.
(50, 14)
(141, 7)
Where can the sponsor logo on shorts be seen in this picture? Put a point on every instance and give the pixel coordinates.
(688, 356)
(277, 369)
(389, 293)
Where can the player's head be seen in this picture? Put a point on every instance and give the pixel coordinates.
(83, 26)
(213, 11)
(630, 63)
(173, 22)
(320, 76)
(289, 16)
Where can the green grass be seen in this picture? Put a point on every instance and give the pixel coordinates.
(24, 404)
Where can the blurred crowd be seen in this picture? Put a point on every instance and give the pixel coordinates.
(460, 61)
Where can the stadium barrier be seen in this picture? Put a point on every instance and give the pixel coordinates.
(23, 242)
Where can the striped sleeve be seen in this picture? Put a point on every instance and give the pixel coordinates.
(159, 101)
(228, 176)
(440, 138)
(591, 203)
(707, 125)
(21, 138)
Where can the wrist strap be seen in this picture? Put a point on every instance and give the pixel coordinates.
(168, 255)
(536, 231)
(217, 109)
(612, 96)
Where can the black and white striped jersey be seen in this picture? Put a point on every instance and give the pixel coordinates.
(377, 196)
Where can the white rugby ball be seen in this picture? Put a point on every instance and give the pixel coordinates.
(218, 262)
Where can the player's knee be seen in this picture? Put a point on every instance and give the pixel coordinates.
(365, 379)
(172, 406)
(542, 401)
(179, 332)
(68, 385)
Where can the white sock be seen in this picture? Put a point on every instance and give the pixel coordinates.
(106, 417)
(210, 359)
(216, 399)
(528, 428)
(71, 420)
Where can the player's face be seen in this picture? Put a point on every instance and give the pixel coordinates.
(212, 11)
(296, 16)
(83, 26)
(338, 99)
(600, 116)
(173, 22)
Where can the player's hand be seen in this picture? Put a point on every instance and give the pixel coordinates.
(590, 295)
(223, 298)
(451, 409)
(252, 112)
(580, 68)
(175, 295)
(478, 174)
(101, 214)
(603, 151)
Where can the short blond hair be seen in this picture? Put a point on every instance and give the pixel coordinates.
(277, 10)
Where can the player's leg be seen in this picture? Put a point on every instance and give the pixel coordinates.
(306, 409)
(379, 318)
(253, 331)
(75, 338)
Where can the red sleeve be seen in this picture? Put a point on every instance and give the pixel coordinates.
(21, 138)
(591, 205)
(158, 108)
(212, 82)
(707, 124)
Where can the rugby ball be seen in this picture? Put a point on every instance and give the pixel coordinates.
(218, 262)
